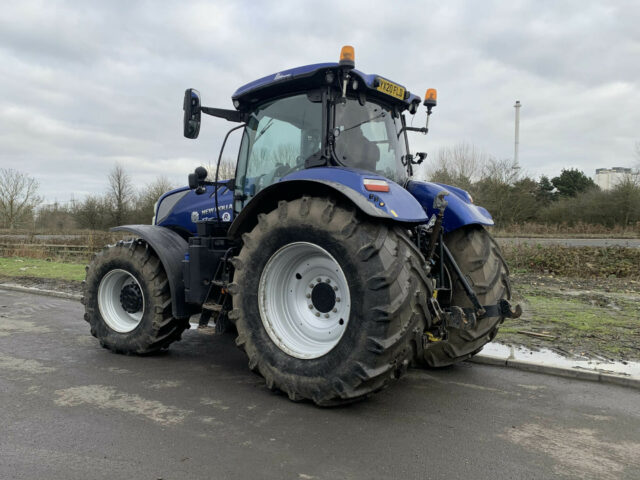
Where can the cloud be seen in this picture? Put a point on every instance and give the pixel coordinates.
(87, 84)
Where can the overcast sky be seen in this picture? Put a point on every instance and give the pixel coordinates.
(84, 85)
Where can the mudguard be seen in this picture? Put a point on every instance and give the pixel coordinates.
(460, 211)
(171, 249)
(397, 204)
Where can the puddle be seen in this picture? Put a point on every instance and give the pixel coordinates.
(547, 357)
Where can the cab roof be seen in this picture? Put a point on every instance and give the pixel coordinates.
(308, 77)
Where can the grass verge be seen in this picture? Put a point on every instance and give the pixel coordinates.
(17, 267)
(600, 319)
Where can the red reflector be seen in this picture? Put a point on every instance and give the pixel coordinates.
(376, 185)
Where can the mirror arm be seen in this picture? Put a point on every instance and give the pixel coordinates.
(230, 115)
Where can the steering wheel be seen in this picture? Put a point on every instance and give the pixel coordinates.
(283, 169)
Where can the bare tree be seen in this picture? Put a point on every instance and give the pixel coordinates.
(227, 170)
(158, 187)
(259, 163)
(148, 196)
(625, 196)
(121, 193)
(285, 154)
(505, 171)
(18, 197)
(504, 193)
(55, 217)
(461, 165)
(495, 184)
(92, 212)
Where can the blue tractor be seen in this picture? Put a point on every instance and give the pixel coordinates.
(336, 269)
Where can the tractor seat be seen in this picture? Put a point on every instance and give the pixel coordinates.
(355, 150)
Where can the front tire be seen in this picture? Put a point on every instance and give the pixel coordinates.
(293, 266)
(127, 300)
(479, 258)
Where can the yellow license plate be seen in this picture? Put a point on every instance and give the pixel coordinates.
(390, 88)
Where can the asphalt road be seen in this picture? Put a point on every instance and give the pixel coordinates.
(72, 410)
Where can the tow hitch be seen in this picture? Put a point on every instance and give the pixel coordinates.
(454, 316)
(464, 318)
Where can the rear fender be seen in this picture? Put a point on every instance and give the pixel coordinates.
(171, 249)
(460, 211)
(396, 205)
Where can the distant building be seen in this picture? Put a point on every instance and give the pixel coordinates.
(607, 178)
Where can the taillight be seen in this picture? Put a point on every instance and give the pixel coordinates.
(376, 185)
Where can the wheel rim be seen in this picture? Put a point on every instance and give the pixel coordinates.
(304, 300)
(117, 301)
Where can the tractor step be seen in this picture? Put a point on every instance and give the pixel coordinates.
(215, 307)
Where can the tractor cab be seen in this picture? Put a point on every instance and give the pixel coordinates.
(320, 128)
(321, 115)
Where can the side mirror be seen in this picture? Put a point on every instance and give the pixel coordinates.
(192, 113)
(193, 181)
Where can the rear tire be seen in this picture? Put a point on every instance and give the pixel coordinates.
(479, 257)
(385, 287)
(127, 300)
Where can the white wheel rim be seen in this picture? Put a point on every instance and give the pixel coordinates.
(110, 304)
(296, 289)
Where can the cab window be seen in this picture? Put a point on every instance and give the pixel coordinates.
(279, 137)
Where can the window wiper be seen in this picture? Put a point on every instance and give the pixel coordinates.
(381, 114)
(266, 127)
